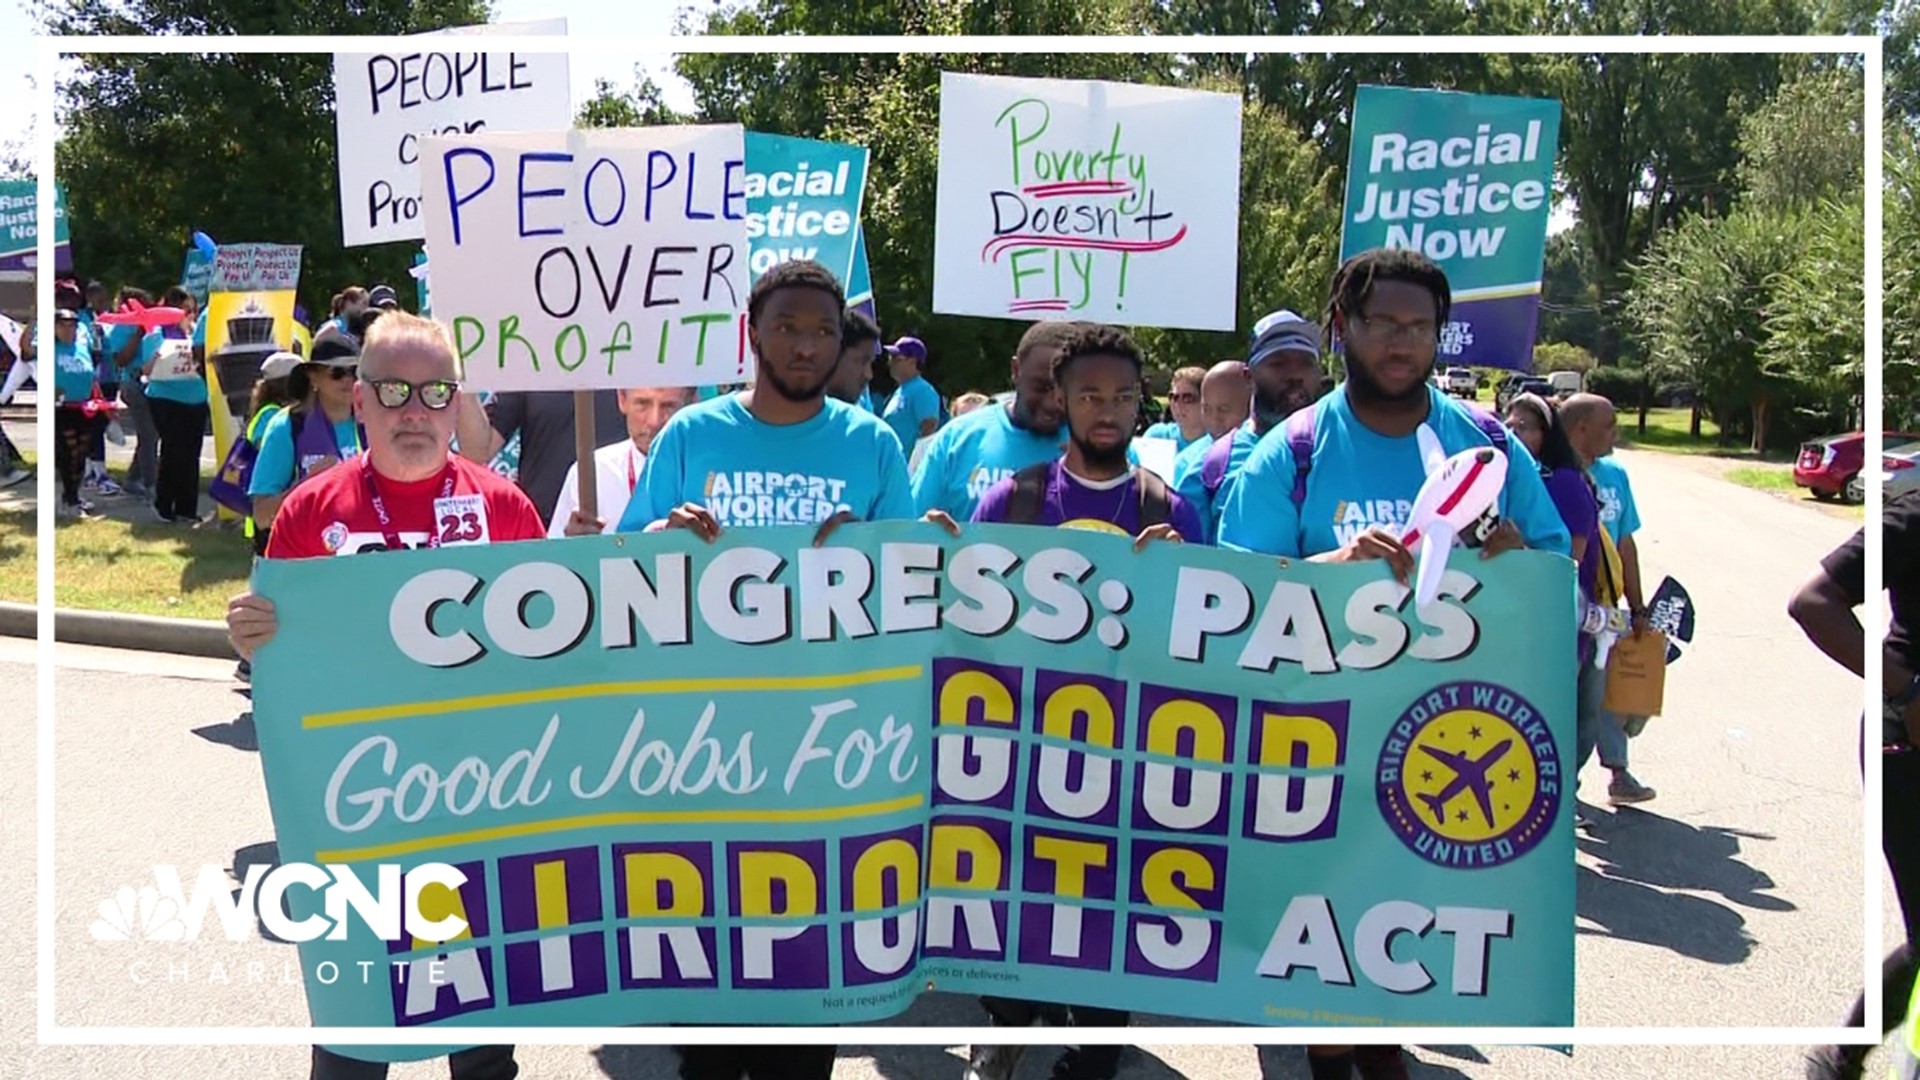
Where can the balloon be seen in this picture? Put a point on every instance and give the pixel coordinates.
(204, 243)
(1457, 491)
(146, 318)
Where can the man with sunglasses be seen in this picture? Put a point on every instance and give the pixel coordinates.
(405, 491)
(1188, 425)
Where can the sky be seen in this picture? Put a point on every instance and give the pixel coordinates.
(584, 19)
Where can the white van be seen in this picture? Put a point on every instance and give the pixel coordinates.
(1566, 382)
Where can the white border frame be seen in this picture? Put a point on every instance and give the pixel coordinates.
(48, 50)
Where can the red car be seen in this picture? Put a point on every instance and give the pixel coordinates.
(1830, 467)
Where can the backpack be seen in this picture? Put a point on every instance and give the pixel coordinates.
(1300, 427)
(1213, 465)
(1030, 495)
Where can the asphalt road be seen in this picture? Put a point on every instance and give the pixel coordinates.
(1734, 899)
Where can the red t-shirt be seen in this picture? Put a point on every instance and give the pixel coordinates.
(333, 513)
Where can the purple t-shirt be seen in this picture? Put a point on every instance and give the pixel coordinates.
(1581, 512)
(1074, 504)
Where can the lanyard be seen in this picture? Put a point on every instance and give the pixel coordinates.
(387, 531)
(633, 478)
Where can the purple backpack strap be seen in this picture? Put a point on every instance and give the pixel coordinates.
(1490, 426)
(1300, 445)
(1213, 467)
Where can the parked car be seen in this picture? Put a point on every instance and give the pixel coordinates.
(1514, 385)
(1832, 467)
(1461, 382)
(1900, 469)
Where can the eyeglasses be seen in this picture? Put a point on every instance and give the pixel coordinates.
(339, 373)
(1183, 398)
(1392, 330)
(435, 394)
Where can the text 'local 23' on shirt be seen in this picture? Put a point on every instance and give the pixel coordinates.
(1361, 479)
(1071, 502)
(333, 513)
(965, 459)
(1617, 511)
(913, 402)
(617, 469)
(750, 473)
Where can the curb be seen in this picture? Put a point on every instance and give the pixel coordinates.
(141, 633)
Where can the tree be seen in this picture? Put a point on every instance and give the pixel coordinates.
(1817, 310)
(1569, 300)
(241, 147)
(1806, 144)
(1901, 280)
(1701, 301)
(643, 106)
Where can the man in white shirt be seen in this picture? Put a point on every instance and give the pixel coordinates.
(617, 467)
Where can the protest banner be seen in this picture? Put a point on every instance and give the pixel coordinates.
(860, 278)
(1103, 201)
(803, 202)
(384, 105)
(20, 231)
(582, 260)
(775, 783)
(250, 300)
(1468, 180)
(196, 275)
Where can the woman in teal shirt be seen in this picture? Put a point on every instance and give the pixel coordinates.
(74, 389)
(177, 398)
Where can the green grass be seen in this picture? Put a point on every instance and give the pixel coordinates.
(145, 568)
(1668, 431)
(1762, 479)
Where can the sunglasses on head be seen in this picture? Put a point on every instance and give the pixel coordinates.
(435, 394)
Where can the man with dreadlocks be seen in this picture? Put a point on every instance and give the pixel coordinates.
(1337, 482)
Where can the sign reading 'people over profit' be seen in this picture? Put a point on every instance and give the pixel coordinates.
(1466, 179)
(384, 104)
(1101, 201)
(762, 782)
(577, 260)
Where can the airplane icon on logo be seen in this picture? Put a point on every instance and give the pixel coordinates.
(1468, 773)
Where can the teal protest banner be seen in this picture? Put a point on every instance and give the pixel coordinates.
(1467, 179)
(20, 230)
(196, 275)
(803, 202)
(760, 782)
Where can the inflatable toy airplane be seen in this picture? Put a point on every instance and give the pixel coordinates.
(1459, 490)
(148, 319)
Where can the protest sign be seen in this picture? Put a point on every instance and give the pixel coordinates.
(250, 299)
(1087, 200)
(860, 278)
(803, 202)
(1468, 180)
(758, 782)
(583, 260)
(384, 105)
(196, 276)
(20, 231)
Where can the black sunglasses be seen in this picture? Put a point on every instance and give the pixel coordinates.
(435, 394)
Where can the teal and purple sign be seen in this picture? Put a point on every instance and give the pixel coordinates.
(1468, 180)
(761, 782)
(20, 230)
(803, 202)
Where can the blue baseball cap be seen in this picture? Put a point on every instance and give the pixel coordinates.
(1282, 331)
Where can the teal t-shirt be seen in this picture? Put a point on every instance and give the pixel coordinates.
(915, 401)
(1617, 511)
(274, 469)
(184, 391)
(1361, 479)
(866, 398)
(972, 454)
(1170, 430)
(116, 338)
(73, 369)
(751, 473)
(1189, 478)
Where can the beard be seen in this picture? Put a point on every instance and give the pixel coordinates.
(1270, 410)
(1362, 385)
(1101, 457)
(795, 393)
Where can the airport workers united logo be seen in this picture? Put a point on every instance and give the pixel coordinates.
(1469, 777)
